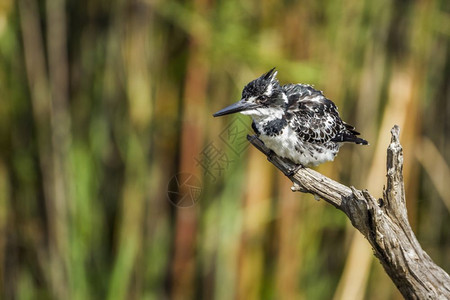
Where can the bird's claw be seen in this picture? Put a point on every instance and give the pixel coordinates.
(271, 155)
(292, 171)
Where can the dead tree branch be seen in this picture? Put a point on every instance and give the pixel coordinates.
(383, 222)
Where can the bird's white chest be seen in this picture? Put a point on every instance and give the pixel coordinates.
(287, 144)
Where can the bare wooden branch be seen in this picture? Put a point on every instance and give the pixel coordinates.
(383, 222)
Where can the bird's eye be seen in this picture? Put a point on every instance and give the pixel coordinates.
(263, 97)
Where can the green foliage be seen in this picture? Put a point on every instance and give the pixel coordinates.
(100, 114)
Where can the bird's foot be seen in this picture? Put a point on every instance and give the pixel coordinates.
(293, 170)
(285, 164)
(271, 155)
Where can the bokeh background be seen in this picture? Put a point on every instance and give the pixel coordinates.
(117, 183)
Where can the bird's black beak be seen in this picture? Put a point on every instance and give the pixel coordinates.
(234, 108)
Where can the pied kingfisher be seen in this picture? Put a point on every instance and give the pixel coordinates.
(295, 121)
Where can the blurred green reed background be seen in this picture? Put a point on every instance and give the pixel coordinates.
(105, 102)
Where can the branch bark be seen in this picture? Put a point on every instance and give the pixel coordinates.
(383, 222)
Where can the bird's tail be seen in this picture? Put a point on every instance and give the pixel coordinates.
(350, 136)
(357, 140)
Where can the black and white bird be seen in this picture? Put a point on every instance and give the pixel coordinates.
(295, 121)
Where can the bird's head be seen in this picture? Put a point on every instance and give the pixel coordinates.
(262, 97)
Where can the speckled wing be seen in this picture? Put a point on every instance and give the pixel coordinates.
(313, 117)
